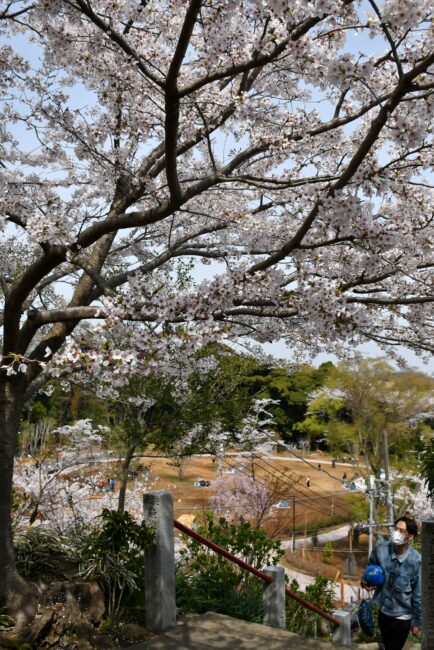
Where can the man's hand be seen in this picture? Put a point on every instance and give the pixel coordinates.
(366, 586)
(416, 630)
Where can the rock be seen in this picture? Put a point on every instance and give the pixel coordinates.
(53, 638)
(134, 632)
(40, 625)
(8, 640)
(65, 618)
(85, 598)
(35, 631)
(90, 600)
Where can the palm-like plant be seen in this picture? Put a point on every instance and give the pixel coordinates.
(426, 462)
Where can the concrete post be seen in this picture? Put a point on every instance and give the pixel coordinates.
(350, 566)
(274, 598)
(427, 585)
(342, 634)
(160, 603)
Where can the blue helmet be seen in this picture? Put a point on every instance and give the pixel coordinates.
(374, 575)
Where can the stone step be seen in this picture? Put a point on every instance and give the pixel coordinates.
(216, 631)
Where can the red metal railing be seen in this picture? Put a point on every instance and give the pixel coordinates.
(244, 565)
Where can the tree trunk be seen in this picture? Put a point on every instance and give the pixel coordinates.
(15, 593)
(124, 476)
(181, 464)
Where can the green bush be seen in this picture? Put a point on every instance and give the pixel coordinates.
(206, 581)
(38, 551)
(113, 556)
(327, 553)
(301, 620)
(6, 622)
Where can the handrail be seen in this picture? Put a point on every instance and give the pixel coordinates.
(248, 567)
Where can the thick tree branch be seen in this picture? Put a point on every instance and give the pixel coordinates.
(171, 123)
(414, 300)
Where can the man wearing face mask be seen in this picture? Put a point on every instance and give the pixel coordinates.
(399, 597)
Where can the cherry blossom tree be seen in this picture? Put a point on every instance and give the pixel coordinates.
(140, 140)
(63, 493)
(423, 506)
(68, 496)
(256, 433)
(242, 498)
(45, 482)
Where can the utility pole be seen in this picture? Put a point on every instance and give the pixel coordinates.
(293, 525)
(220, 456)
(387, 480)
(370, 492)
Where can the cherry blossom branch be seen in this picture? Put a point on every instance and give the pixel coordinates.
(176, 249)
(171, 120)
(85, 8)
(415, 300)
(5, 15)
(386, 31)
(259, 61)
(424, 346)
(404, 86)
(53, 256)
(97, 278)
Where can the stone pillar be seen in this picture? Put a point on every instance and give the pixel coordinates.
(427, 585)
(160, 603)
(274, 598)
(350, 566)
(342, 634)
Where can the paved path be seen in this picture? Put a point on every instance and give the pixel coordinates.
(329, 536)
(214, 631)
(351, 592)
(290, 458)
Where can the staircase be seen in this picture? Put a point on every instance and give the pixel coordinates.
(214, 631)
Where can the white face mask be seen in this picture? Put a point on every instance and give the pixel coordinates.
(398, 538)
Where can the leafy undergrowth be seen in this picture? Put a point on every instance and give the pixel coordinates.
(89, 582)
(209, 582)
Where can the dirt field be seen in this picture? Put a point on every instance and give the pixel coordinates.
(324, 501)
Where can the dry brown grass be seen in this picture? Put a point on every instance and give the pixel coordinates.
(303, 560)
(309, 513)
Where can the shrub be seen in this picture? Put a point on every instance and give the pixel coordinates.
(6, 622)
(327, 553)
(113, 556)
(301, 620)
(38, 551)
(206, 581)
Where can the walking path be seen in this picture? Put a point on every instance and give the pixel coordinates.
(214, 631)
(351, 592)
(329, 536)
(290, 458)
